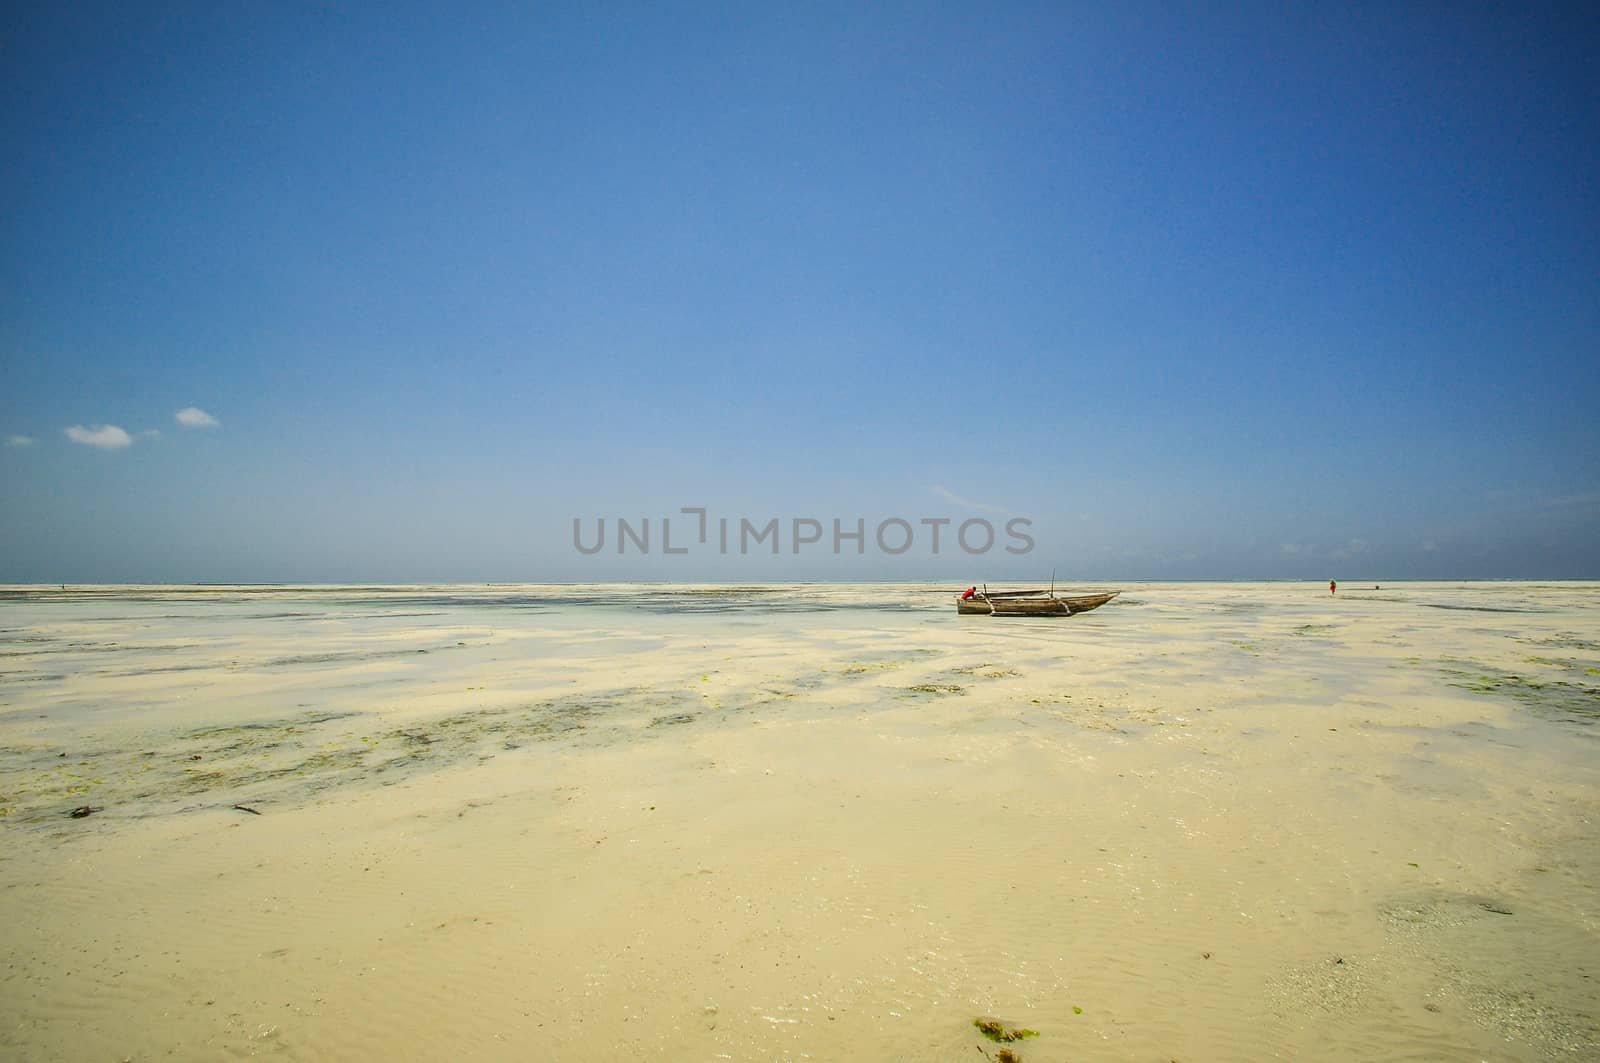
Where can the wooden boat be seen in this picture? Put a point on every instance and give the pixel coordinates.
(1051, 605)
(978, 604)
(1031, 603)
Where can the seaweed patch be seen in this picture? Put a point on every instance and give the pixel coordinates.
(999, 1032)
(1560, 698)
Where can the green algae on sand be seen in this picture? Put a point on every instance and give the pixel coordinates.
(999, 1032)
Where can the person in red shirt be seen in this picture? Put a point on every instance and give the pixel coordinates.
(969, 593)
(1333, 587)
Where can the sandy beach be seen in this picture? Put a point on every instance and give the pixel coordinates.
(1205, 822)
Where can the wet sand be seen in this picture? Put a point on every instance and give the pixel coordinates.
(1205, 822)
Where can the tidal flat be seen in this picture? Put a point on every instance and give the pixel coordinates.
(1205, 822)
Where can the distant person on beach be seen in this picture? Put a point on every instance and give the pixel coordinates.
(1333, 587)
(969, 593)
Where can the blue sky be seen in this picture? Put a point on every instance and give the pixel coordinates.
(1203, 291)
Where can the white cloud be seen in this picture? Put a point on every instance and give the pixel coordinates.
(1580, 500)
(195, 417)
(950, 496)
(105, 436)
(1349, 550)
(20, 441)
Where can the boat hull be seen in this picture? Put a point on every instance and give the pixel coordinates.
(1032, 607)
(1082, 603)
